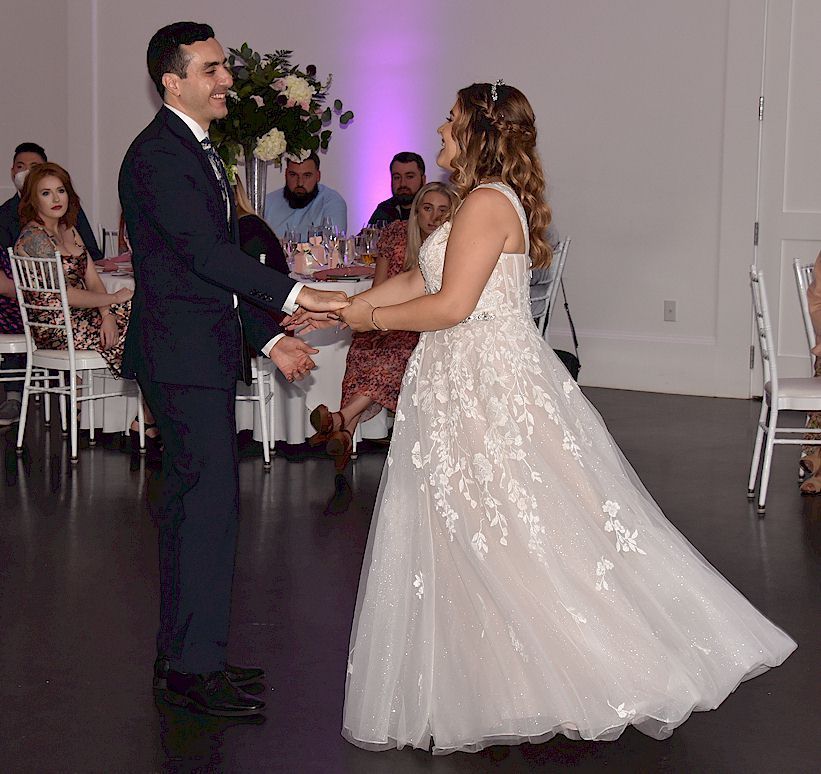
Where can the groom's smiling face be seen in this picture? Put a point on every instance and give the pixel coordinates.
(201, 93)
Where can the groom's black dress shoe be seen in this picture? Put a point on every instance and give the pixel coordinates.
(236, 675)
(210, 693)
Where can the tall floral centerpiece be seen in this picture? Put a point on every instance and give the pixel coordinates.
(275, 110)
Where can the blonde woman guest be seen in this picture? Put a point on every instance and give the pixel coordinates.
(376, 360)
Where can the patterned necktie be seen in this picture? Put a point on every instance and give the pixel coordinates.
(219, 171)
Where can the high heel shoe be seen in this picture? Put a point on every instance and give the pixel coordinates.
(322, 421)
(153, 443)
(811, 463)
(340, 447)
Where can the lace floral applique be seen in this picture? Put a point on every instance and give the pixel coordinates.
(419, 584)
(625, 540)
(517, 646)
(479, 544)
(622, 712)
(574, 614)
(602, 567)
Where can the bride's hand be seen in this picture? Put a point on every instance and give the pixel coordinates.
(358, 315)
(303, 321)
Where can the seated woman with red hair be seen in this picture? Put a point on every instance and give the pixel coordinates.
(99, 320)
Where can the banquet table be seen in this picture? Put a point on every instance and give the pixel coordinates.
(292, 401)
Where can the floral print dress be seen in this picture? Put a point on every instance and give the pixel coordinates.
(519, 580)
(36, 242)
(377, 359)
(10, 319)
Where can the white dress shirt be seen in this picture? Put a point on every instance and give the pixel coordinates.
(290, 305)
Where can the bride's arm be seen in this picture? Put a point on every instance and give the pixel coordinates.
(400, 288)
(396, 290)
(478, 235)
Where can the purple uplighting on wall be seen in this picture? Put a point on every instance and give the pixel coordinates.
(395, 64)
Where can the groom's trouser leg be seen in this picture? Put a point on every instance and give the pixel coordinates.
(195, 504)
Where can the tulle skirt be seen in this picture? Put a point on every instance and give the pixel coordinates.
(519, 581)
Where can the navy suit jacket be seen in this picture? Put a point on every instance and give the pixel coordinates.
(184, 328)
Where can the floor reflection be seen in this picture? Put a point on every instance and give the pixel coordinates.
(192, 742)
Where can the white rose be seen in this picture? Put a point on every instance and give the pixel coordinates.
(270, 146)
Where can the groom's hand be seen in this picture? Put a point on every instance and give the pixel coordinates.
(292, 356)
(321, 300)
(302, 321)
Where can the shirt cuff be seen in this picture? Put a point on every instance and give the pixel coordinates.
(266, 350)
(290, 305)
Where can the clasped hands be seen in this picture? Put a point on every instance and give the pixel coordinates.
(356, 314)
(317, 309)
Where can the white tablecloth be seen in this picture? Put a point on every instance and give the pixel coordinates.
(292, 401)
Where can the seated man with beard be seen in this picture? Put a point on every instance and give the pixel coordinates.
(304, 203)
(407, 177)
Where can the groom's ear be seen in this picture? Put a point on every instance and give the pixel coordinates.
(171, 82)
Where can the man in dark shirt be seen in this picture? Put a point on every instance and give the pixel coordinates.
(407, 177)
(26, 155)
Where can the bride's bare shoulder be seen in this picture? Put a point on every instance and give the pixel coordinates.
(487, 205)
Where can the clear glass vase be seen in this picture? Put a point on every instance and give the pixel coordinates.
(256, 178)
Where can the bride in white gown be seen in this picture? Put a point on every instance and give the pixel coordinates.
(519, 581)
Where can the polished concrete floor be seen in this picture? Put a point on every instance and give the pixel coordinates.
(78, 599)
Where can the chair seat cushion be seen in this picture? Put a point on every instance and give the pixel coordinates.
(799, 394)
(85, 359)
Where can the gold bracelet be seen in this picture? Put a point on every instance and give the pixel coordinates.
(376, 325)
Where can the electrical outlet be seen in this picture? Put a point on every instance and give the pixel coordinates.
(669, 311)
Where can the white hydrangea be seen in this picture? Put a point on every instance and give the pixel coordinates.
(270, 146)
(296, 89)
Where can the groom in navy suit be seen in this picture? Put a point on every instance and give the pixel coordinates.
(196, 295)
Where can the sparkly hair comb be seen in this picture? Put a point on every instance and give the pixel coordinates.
(493, 93)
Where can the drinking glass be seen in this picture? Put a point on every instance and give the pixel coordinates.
(362, 246)
(289, 244)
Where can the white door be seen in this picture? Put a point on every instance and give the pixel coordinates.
(789, 207)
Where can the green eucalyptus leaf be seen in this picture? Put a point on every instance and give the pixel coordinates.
(337, 104)
(346, 117)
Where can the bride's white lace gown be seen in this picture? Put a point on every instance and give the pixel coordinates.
(519, 580)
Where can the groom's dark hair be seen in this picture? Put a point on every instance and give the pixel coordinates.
(164, 52)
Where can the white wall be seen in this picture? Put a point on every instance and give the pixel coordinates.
(35, 81)
(646, 118)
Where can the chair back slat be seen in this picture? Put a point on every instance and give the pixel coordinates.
(45, 277)
(804, 273)
(544, 287)
(761, 312)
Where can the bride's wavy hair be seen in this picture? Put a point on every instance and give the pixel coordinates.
(497, 139)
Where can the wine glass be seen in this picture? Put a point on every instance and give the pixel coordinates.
(289, 245)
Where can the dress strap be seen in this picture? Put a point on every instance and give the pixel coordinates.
(505, 189)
